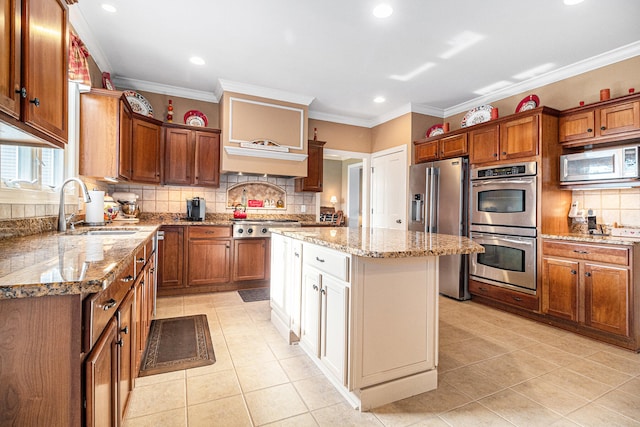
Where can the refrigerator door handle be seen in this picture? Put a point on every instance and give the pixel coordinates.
(435, 198)
(430, 201)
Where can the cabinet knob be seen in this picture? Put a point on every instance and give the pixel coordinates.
(603, 128)
(127, 278)
(504, 153)
(35, 101)
(125, 330)
(495, 154)
(22, 91)
(589, 130)
(140, 260)
(574, 272)
(120, 343)
(587, 274)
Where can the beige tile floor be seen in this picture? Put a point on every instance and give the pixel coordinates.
(496, 369)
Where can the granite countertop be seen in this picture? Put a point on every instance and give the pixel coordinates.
(383, 243)
(593, 238)
(68, 263)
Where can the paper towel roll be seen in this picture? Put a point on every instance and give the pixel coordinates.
(95, 208)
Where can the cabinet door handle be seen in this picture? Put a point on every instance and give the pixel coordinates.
(319, 259)
(35, 101)
(323, 291)
(574, 272)
(587, 274)
(504, 153)
(315, 287)
(109, 304)
(120, 343)
(483, 289)
(296, 254)
(22, 91)
(517, 299)
(125, 330)
(140, 260)
(580, 252)
(589, 130)
(495, 154)
(127, 278)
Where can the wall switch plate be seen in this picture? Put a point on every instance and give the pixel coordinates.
(303, 208)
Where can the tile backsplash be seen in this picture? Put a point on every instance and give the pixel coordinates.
(172, 199)
(621, 206)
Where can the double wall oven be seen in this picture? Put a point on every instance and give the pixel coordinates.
(504, 220)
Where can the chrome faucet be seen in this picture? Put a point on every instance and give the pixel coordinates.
(62, 221)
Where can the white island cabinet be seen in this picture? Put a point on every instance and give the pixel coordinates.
(367, 300)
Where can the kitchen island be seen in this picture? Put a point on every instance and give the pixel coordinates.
(363, 304)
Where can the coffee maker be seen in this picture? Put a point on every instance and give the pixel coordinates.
(195, 209)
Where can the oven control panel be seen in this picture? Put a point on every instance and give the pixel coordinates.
(518, 169)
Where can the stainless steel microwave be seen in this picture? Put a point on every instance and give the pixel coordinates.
(600, 165)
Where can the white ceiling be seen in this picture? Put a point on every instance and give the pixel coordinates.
(338, 56)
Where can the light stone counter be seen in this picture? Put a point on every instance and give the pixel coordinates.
(593, 238)
(69, 263)
(383, 243)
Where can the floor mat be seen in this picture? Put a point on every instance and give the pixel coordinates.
(251, 295)
(177, 343)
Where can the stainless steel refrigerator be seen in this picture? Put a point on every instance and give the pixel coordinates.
(439, 197)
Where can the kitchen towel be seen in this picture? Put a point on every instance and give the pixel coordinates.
(95, 208)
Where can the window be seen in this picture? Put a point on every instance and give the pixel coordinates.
(31, 167)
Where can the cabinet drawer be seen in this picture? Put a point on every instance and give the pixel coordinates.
(101, 307)
(605, 254)
(331, 262)
(519, 299)
(208, 232)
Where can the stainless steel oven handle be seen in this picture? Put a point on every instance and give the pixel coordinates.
(502, 181)
(503, 239)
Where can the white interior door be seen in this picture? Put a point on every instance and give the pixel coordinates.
(389, 189)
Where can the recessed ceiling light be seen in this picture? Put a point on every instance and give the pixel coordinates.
(382, 11)
(572, 2)
(379, 99)
(109, 8)
(196, 60)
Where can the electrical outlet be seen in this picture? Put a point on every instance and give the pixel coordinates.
(303, 208)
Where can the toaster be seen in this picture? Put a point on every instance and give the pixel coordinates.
(196, 209)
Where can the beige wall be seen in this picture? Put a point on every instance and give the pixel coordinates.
(160, 103)
(342, 137)
(332, 183)
(392, 133)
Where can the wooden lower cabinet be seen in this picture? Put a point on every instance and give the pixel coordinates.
(127, 331)
(101, 379)
(251, 259)
(205, 258)
(591, 289)
(209, 261)
(492, 293)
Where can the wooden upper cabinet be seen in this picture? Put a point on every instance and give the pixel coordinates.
(178, 156)
(106, 122)
(443, 148)
(34, 49)
(207, 159)
(484, 145)
(313, 180)
(519, 138)
(10, 46)
(614, 120)
(145, 150)
(44, 66)
(192, 157)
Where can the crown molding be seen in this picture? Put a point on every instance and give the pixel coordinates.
(335, 118)
(620, 54)
(163, 89)
(264, 92)
(427, 110)
(80, 25)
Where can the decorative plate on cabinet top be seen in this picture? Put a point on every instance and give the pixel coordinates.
(478, 115)
(435, 130)
(528, 103)
(139, 103)
(195, 118)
